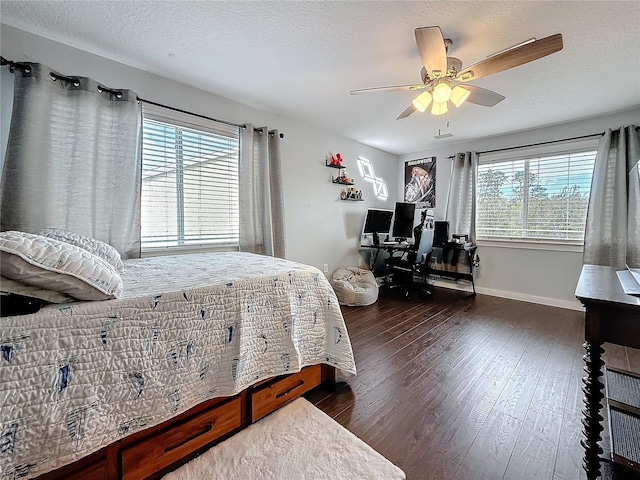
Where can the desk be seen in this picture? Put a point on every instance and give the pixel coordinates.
(376, 255)
(610, 316)
(442, 261)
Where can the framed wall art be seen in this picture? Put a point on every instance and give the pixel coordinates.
(420, 182)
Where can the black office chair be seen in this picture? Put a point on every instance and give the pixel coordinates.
(411, 264)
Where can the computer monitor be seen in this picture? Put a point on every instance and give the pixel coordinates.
(403, 220)
(377, 221)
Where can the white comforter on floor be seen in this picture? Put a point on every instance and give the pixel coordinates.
(296, 442)
(77, 377)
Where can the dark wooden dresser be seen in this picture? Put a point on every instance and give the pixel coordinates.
(614, 317)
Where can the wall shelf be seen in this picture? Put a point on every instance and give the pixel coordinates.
(343, 180)
(340, 167)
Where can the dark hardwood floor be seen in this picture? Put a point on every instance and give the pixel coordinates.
(468, 388)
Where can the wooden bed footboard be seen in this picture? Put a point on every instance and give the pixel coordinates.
(153, 452)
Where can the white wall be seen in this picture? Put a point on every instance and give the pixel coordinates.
(320, 228)
(542, 276)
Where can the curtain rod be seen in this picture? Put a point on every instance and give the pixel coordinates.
(271, 132)
(191, 113)
(25, 67)
(14, 65)
(541, 143)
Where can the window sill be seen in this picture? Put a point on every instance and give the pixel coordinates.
(532, 245)
(162, 251)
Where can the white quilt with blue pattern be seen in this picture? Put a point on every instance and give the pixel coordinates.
(77, 377)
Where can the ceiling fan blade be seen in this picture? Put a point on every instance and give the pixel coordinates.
(512, 57)
(482, 96)
(408, 111)
(393, 88)
(432, 50)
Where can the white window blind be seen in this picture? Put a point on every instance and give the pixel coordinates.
(189, 181)
(541, 194)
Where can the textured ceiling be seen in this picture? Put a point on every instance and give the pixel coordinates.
(299, 59)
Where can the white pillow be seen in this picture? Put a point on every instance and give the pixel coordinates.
(56, 265)
(18, 288)
(101, 249)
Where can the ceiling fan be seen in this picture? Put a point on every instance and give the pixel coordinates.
(444, 80)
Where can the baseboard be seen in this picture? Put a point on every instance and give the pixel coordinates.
(552, 302)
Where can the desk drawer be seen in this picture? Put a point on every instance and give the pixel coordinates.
(271, 397)
(179, 439)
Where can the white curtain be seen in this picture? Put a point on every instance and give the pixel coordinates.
(261, 196)
(612, 234)
(73, 159)
(461, 201)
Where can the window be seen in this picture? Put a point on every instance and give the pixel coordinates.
(189, 181)
(540, 194)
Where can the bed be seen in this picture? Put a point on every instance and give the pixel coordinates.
(195, 348)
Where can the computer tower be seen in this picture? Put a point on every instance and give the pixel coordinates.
(441, 234)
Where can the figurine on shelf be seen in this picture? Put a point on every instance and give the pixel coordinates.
(342, 178)
(336, 161)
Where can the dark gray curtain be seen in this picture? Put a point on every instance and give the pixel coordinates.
(73, 159)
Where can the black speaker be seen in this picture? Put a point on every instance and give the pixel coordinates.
(440, 234)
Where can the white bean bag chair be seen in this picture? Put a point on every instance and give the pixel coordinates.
(355, 286)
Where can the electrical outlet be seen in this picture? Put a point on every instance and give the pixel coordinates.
(325, 268)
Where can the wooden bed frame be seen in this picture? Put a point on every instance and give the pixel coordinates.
(153, 452)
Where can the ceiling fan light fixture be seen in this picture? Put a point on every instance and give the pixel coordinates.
(459, 95)
(439, 108)
(422, 101)
(442, 93)
(442, 76)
